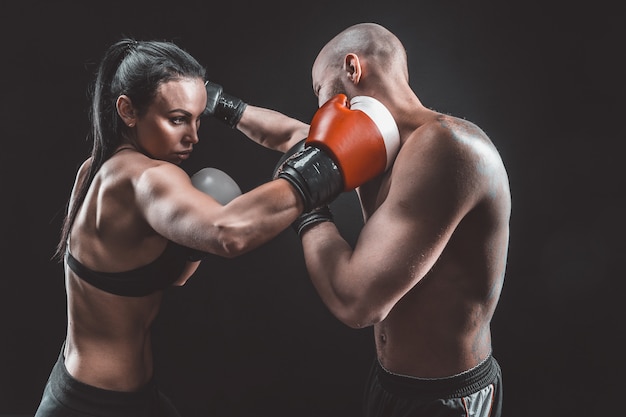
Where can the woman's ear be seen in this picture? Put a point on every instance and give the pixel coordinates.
(352, 66)
(126, 110)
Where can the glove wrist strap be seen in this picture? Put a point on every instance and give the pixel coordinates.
(306, 220)
(229, 109)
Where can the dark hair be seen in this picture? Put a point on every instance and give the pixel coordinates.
(136, 69)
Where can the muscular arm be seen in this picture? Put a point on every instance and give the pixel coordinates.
(432, 187)
(181, 213)
(272, 129)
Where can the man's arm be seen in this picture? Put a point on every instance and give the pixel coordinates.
(432, 188)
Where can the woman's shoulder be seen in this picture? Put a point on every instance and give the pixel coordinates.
(131, 165)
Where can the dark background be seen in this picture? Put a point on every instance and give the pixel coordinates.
(249, 336)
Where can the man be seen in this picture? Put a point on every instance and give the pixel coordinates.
(428, 266)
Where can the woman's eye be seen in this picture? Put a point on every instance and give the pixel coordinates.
(178, 120)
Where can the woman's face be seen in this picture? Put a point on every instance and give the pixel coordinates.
(169, 129)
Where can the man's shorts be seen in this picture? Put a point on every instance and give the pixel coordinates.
(476, 392)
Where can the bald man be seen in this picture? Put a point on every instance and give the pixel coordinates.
(429, 263)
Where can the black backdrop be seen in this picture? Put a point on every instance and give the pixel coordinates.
(248, 336)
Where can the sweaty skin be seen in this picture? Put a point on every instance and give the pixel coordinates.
(428, 266)
(139, 199)
(432, 296)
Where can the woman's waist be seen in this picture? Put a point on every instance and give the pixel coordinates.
(118, 364)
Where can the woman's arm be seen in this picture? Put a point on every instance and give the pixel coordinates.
(271, 128)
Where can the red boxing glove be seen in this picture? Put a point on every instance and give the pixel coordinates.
(362, 137)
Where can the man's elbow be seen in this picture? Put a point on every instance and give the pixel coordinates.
(359, 316)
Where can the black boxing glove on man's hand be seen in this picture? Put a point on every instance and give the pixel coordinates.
(222, 106)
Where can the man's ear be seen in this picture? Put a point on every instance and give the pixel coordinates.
(352, 66)
(126, 110)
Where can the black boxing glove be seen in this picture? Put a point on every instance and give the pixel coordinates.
(349, 143)
(312, 173)
(310, 216)
(222, 106)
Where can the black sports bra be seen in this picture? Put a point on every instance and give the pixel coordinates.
(157, 275)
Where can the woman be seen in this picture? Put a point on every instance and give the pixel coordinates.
(133, 220)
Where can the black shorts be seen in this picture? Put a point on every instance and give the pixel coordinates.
(65, 396)
(477, 392)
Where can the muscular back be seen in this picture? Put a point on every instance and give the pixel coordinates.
(444, 212)
(108, 343)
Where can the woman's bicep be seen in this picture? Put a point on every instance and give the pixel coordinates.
(170, 203)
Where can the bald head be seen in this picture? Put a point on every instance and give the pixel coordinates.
(368, 40)
(364, 59)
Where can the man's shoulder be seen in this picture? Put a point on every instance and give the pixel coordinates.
(447, 141)
(456, 127)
